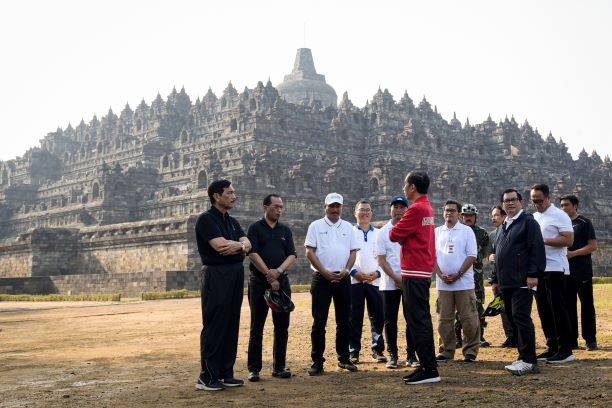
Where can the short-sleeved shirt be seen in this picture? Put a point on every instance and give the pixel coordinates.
(453, 246)
(333, 243)
(391, 251)
(582, 266)
(213, 224)
(273, 245)
(552, 222)
(366, 257)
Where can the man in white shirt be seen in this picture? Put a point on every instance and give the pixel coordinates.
(365, 278)
(558, 234)
(388, 255)
(456, 251)
(331, 249)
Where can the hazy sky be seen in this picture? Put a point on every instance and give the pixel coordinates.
(546, 61)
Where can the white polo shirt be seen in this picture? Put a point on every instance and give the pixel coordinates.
(334, 243)
(366, 256)
(452, 247)
(391, 251)
(552, 222)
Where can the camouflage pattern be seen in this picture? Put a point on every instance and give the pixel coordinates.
(482, 242)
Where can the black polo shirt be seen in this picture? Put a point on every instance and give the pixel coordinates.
(213, 224)
(582, 266)
(273, 245)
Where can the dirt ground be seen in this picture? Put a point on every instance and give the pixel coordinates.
(146, 354)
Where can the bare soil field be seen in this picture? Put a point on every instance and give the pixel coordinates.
(127, 354)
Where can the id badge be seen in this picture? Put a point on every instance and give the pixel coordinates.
(450, 248)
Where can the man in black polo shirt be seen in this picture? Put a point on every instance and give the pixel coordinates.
(222, 245)
(580, 280)
(272, 254)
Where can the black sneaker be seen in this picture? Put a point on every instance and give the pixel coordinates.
(484, 343)
(442, 359)
(560, 358)
(545, 355)
(469, 358)
(232, 382)
(509, 343)
(354, 359)
(212, 386)
(423, 376)
(284, 373)
(348, 366)
(412, 374)
(379, 357)
(316, 369)
(253, 376)
(591, 346)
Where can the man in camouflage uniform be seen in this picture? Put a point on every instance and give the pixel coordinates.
(469, 213)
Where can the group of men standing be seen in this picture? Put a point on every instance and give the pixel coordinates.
(359, 265)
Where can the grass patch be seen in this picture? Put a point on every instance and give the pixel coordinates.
(300, 288)
(61, 298)
(602, 279)
(171, 294)
(184, 293)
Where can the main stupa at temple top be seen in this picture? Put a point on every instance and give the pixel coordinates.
(304, 84)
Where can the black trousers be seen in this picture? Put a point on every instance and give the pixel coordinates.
(517, 304)
(222, 292)
(509, 328)
(583, 287)
(362, 293)
(259, 313)
(323, 291)
(550, 298)
(416, 298)
(391, 303)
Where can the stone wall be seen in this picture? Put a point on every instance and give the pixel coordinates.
(127, 284)
(15, 260)
(159, 245)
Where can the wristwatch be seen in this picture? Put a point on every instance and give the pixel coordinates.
(281, 271)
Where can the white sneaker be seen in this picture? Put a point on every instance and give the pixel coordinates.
(522, 368)
(510, 366)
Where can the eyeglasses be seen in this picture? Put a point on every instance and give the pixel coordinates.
(511, 200)
(538, 201)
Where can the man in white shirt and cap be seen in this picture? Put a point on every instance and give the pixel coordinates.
(331, 249)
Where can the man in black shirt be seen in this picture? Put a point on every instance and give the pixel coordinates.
(580, 280)
(272, 254)
(222, 245)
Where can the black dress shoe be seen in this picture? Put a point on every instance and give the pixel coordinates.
(253, 376)
(316, 369)
(283, 373)
(347, 366)
(509, 343)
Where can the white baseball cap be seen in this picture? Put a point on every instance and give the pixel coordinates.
(333, 198)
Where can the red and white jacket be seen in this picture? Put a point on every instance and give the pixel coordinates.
(416, 233)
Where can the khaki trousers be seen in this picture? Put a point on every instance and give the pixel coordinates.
(464, 302)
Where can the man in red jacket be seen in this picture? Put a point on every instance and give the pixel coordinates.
(415, 233)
